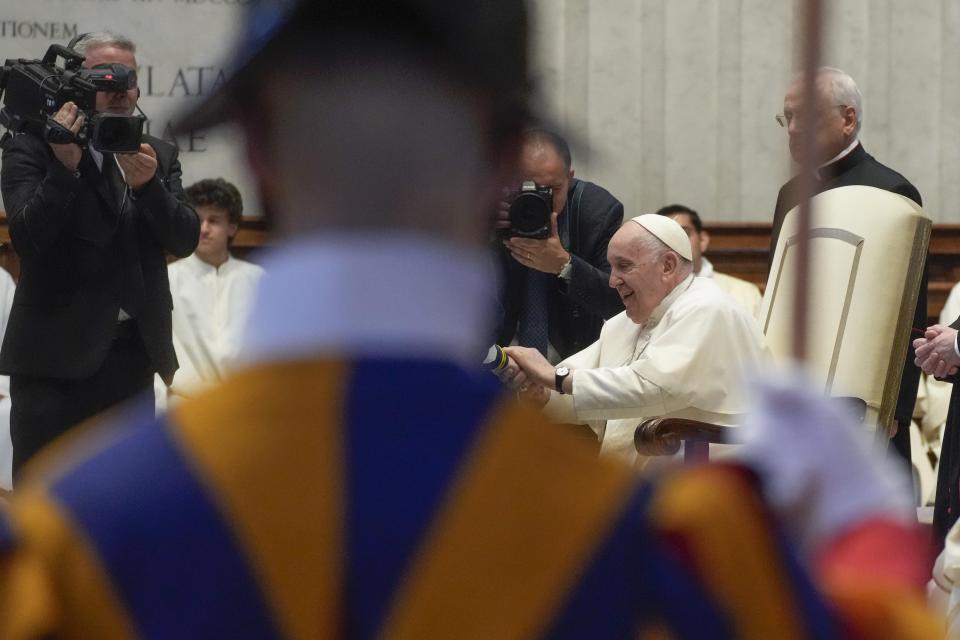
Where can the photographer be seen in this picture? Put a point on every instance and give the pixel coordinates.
(556, 290)
(90, 322)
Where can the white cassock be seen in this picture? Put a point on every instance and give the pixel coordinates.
(951, 308)
(746, 294)
(7, 288)
(210, 310)
(686, 361)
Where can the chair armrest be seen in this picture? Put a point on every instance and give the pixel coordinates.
(662, 436)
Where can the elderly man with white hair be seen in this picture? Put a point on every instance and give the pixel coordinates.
(843, 162)
(679, 349)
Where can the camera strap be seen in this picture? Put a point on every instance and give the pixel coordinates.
(572, 222)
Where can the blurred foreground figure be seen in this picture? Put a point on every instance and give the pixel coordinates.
(358, 479)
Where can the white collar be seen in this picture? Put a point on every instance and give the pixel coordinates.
(373, 294)
(706, 268)
(842, 154)
(203, 268)
(657, 314)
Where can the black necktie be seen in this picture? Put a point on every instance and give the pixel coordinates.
(533, 330)
(111, 172)
(132, 287)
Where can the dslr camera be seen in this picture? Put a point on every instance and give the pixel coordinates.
(34, 90)
(530, 209)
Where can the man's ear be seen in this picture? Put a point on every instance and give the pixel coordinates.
(232, 230)
(849, 120)
(704, 241)
(670, 263)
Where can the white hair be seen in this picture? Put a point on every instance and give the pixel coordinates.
(843, 91)
(648, 243)
(96, 39)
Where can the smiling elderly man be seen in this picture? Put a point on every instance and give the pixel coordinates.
(678, 350)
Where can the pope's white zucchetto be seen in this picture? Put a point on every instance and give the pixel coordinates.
(668, 231)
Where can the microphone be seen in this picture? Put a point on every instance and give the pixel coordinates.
(496, 359)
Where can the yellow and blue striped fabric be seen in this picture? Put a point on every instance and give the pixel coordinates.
(385, 498)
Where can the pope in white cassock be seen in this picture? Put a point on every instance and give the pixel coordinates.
(212, 295)
(680, 348)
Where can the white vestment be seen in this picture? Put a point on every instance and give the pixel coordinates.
(951, 308)
(7, 287)
(746, 294)
(210, 310)
(687, 361)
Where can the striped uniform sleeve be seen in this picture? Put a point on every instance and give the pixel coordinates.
(874, 574)
(49, 576)
(714, 527)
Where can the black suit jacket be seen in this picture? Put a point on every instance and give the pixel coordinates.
(860, 168)
(577, 308)
(947, 503)
(79, 243)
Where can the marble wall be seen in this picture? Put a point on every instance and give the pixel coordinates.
(673, 100)
(665, 100)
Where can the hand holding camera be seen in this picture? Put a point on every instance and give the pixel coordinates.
(547, 255)
(529, 225)
(138, 168)
(69, 117)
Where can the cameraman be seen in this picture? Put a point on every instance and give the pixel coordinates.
(90, 322)
(556, 291)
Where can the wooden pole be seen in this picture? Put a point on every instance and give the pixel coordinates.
(812, 12)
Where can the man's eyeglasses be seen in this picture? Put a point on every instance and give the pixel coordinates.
(784, 119)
